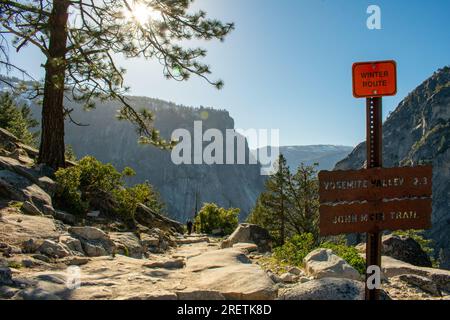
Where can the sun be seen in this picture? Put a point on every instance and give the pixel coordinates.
(141, 13)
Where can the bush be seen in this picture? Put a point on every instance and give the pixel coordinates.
(211, 217)
(349, 254)
(90, 176)
(295, 249)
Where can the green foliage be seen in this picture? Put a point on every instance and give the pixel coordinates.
(290, 203)
(90, 176)
(348, 253)
(295, 249)
(299, 246)
(69, 154)
(211, 217)
(15, 204)
(17, 119)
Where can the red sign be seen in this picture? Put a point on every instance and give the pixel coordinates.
(374, 79)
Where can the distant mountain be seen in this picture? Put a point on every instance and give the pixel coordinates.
(325, 155)
(418, 132)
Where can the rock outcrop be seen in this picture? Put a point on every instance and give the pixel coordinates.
(405, 249)
(325, 289)
(148, 218)
(250, 233)
(392, 268)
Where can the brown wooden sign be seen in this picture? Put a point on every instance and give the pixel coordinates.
(375, 184)
(371, 200)
(375, 216)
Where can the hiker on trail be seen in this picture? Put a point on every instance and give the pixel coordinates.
(189, 226)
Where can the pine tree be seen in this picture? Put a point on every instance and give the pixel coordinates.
(17, 119)
(80, 39)
(304, 195)
(272, 206)
(290, 203)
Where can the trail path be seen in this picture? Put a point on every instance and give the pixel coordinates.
(196, 269)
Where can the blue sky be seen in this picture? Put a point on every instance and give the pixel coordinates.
(288, 64)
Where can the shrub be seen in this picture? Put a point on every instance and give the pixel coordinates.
(211, 217)
(90, 176)
(299, 246)
(295, 249)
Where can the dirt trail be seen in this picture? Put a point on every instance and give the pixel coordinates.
(197, 270)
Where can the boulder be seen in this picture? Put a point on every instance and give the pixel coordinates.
(288, 278)
(77, 261)
(72, 243)
(325, 289)
(16, 228)
(250, 233)
(53, 249)
(94, 241)
(296, 271)
(127, 244)
(31, 245)
(29, 208)
(405, 249)
(19, 163)
(89, 233)
(16, 187)
(423, 283)
(94, 249)
(65, 217)
(322, 263)
(274, 277)
(392, 267)
(5, 276)
(151, 219)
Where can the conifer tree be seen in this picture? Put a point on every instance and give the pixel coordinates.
(303, 192)
(17, 119)
(290, 203)
(80, 40)
(272, 206)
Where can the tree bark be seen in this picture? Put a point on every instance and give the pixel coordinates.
(51, 150)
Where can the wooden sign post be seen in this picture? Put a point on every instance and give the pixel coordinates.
(374, 199)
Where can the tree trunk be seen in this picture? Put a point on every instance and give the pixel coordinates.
(51, 150)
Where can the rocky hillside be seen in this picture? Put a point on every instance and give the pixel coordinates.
(418, 132)
(326, 156)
